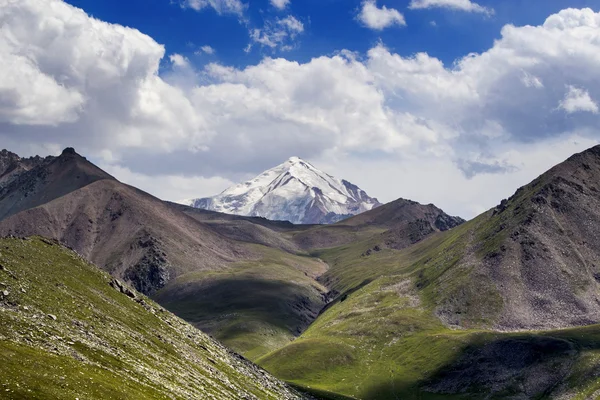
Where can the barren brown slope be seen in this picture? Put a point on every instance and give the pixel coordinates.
(130, 233)
(396, 225)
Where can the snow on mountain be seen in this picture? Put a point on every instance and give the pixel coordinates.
(294, 191)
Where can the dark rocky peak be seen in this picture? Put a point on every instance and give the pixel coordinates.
(8, 154)
(68, 150)
(69, 154)
(8, 161)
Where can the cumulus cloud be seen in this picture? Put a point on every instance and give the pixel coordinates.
(280, 4)
(379, 18)
(279, 33)
(236, 7)
(85, 75)
(96, 86)
(462, 5)
(172, 187)
(578, 100)
(206, 49)
(179, 61)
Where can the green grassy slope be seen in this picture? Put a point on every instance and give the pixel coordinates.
(66, 333)
(380, 343)
(254, 307)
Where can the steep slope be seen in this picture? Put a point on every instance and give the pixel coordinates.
(68, 330)
(534, 258)
(539, 251)
(294, 191)
(433, 318)
(131, 234)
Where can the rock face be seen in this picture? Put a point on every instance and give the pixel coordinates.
(11, 165)
(294, 191)
(151, 273)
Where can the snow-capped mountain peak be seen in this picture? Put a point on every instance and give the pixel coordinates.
(295, 191)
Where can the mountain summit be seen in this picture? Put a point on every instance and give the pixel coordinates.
(295, 191)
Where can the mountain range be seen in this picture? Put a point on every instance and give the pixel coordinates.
(294, 191)
(400, 301)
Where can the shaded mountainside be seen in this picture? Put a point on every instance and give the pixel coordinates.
(68, 330)
(11, 165)
(463, 312)
(294, 191)
(253, 306)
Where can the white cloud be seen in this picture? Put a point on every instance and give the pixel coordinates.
(179, 61)
(279, 33)
(578, 100)
(236, 7)
(206, 49)
(280, 4)
(462, 5)
(531, 81)
(379, 18)
(169, 187)
(291, 24)
(96, 86)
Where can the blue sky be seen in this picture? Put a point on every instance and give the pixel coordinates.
(451, 102)
(330, 26)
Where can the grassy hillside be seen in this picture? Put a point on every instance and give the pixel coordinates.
(68, 330)
(382, 343)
